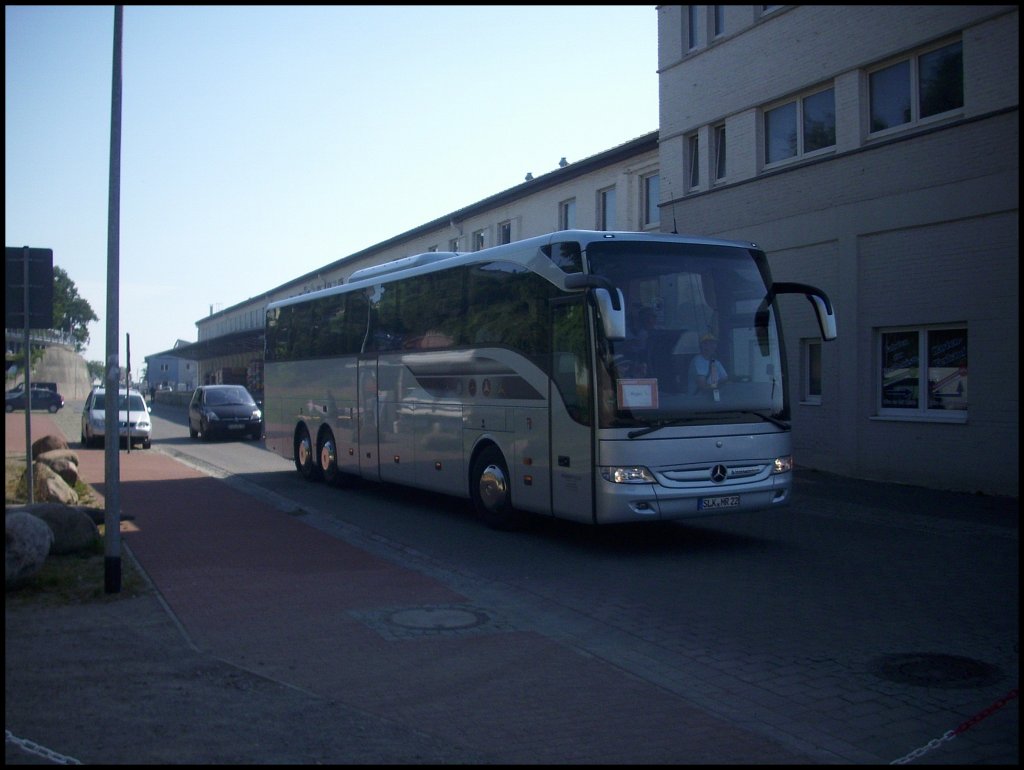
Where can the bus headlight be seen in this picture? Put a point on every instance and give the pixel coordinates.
(783, 464)
(630, 474)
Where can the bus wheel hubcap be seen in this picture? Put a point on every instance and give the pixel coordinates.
(493, 487)
(328, 456)
(305, 451)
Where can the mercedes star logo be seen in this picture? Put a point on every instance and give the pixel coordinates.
(719, 474)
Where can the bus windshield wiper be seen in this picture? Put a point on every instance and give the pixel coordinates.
(765, 417)
(658, 425)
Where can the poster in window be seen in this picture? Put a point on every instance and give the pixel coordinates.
(947, 369)
(900, 370)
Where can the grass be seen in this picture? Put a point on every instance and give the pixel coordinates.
(76, 578)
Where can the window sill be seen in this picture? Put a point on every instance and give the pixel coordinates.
(950, 419)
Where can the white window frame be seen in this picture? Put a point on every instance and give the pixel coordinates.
(479, 239)
(505, 231)
(800, 152)
(567, 214)
(718, 28)
(721, 159)
(914, 85)
(692, 27)
(650, 213)
(693, 162)
(924, 410)
(606, 219)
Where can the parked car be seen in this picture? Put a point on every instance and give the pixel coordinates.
(42, 385)
(132, 418)
(42, 398)
(224, 410)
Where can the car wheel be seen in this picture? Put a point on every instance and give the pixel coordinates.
(491, 491)
(146, 444)
(327, 453)
(305, 462)
(192, 432)
(204, 431)
(8, 408)
(52, 408)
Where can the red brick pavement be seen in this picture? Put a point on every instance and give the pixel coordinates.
(266, 592)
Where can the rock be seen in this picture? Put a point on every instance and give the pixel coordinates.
(47, 444)
(73, 528)
(47, 486)
(63, 462)
(28, 544)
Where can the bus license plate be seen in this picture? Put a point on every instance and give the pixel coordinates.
(714, 503)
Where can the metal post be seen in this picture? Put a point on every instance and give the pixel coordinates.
(112, 439)
(28, 391)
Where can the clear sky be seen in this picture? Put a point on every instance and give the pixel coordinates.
(260, 143)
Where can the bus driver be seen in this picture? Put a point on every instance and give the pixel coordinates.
(706, 372)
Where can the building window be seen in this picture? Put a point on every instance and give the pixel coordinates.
(692, 39)
(651, 196)
(693, 161)
(810, 370)
(505, 232)
(453, 244)
(929, 84)
(719, 134)
(719, 20)
(479, 239)
(606, 209)
(923, 372)
(800, 127)
(432, 249)
(567, 214)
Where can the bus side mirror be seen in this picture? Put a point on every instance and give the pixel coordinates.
(610, 302)
(612, 320)
(819, 300)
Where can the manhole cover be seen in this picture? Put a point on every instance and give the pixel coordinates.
(431, 621)
(438, 618)
(926, 669)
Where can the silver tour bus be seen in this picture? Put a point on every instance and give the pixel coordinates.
(602, 377)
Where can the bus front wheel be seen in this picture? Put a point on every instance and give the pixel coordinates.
(491, 491)
(304, 457)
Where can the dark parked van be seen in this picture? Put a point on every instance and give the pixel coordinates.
(40, 385)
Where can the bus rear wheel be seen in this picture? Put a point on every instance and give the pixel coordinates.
(327, 452)
(491, 491)
(304, 458)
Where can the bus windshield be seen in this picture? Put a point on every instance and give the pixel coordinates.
(694, 350)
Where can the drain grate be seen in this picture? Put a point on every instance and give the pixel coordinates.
(927, 669)
(431, 621)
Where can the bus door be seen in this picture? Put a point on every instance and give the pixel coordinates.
(571, 399)
(368, 409)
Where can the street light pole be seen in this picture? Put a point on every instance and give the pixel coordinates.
(112, 439)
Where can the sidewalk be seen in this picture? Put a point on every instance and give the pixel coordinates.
(270, 641)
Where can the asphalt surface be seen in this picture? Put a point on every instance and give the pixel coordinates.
(275, 638)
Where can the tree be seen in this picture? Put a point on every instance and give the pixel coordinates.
(71, 312)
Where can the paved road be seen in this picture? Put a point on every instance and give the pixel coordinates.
(864, 622)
